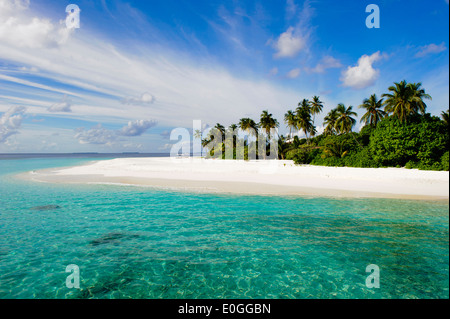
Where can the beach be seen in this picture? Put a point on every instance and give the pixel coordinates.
(254, 178)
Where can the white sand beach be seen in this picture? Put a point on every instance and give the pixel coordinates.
(255, 177)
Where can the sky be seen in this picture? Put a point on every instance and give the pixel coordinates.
(135, 70)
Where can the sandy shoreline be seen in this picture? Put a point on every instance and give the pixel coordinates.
(255, 177)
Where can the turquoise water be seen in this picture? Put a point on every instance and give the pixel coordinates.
(133, 242)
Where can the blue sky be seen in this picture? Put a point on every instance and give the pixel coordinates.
(135, 70)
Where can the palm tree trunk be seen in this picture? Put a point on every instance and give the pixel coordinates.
(356, 140)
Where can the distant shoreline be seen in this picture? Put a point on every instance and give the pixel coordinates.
(254, 178)
(9, 156)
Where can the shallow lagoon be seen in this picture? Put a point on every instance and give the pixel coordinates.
(133, 242)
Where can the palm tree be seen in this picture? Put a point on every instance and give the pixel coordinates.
(233, 130)
(303, 118)
(220, 128)
(250, 126)
(267, 123)
(417, 96)
(290, 121)
(374, 112)
(316, 107)
(233, 127)
(283, 147)
(397, 102)
(330, 122)
(217, 131)
(305, 104)
(336, 149)
(406, 99)
(205, 143)
(198, 135)
(444, 116)
(345, 121)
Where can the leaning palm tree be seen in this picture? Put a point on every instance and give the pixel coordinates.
(205, 144)
(316, 107)
(405, 99)
(374, 113)
(290, 121)
(217, 138)
(220, 128)
(330, 122)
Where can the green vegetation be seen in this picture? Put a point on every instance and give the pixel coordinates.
(397, 132)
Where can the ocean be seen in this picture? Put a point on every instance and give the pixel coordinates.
(138, 242)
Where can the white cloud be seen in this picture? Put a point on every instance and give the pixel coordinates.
(7, 7)
(363, 75)
(10, 122)
(295, 39)
(430, 49)
(63, 106)
(289, 44)
(294, 73)
(327, 62)
(183, 87)
(90, 69)
(97, 135)
(29, 70)
(144, 99)
(137, 128)
(33, 84)
(28, 32)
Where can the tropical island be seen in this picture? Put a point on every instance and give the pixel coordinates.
(397, 132)
(251, 158)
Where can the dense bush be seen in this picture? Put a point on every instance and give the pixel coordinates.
(445, 161)
(422, 143)
(334, 150)
(361, 159)
(302, 155)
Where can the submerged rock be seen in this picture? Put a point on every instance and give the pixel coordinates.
(111, 238)
(47, 207)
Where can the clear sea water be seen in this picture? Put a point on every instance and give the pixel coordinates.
(133, 242)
